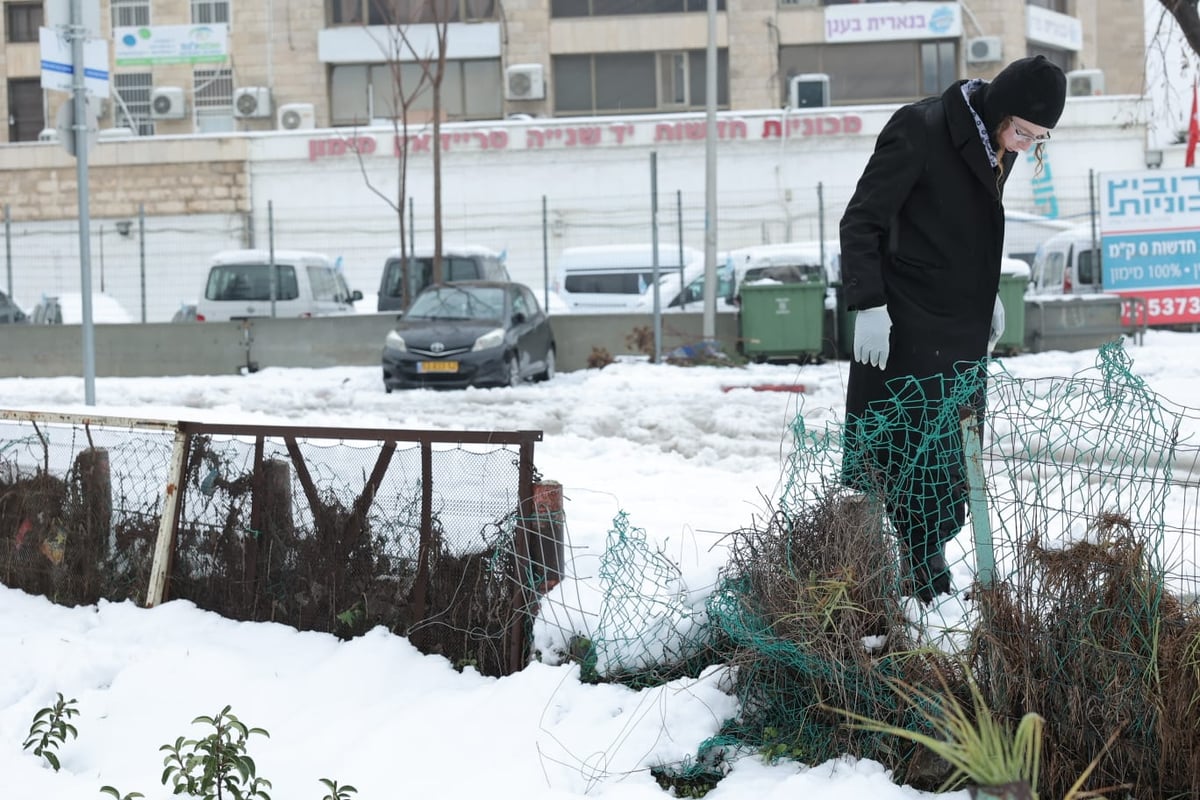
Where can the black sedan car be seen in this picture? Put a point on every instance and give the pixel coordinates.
(469, 333)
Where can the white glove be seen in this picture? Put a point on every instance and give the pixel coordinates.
(872, 335)
(997, 325)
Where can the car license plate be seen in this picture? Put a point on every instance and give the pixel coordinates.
(437, 366)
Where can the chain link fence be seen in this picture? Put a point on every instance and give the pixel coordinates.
(153, 266)
(445, 538)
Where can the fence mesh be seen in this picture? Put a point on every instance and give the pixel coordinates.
(142, 267)
(329, 535)
(1089, 619)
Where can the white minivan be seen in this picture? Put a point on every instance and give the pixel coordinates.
(306, 284)
(620, 278)
(1067, 263)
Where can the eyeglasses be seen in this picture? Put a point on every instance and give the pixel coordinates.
(1029, 137)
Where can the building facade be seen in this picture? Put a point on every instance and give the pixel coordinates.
(353, 63)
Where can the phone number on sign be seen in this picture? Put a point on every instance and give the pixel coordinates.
(1163, 307)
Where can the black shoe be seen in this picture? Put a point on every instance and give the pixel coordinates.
(931, 578)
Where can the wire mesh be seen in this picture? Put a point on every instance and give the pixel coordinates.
(436, 540)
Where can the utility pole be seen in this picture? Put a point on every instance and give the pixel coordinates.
(710, 178)
(77, 34)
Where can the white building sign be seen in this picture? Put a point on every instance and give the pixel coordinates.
(873, 22)
(1049, 27)
(170, 44)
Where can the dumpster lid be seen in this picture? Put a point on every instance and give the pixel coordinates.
(1015, 267)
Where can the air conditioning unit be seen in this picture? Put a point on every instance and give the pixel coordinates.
(48, 135)
(808, 90)
(1085, 82)
(167, 102)
(984, 50)
(524, 82)
(251, 102)
(296, 116)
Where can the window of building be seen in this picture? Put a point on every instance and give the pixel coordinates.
(1065, 59)
(635, 82)
(22, 21)
(130, 13)
(210, 12)
(212, 90)
(875, 72)
(25, 117)
(131, 106)
(408, 12)
(1054, 5)
(610, 8)
(360, 93)
(939, 65)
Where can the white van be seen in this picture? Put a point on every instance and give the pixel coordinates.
(459, 263)
(1068, 263)
(620, 278)
(306, 284)
(1024, 233)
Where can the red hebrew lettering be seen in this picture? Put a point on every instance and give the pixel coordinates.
(666, 132)
(830, 125)
(851, 124)
(590, 135)
(316, 149)
(772, 129)
(621, 130)
(731, 129)
(498, 140)
(534, 139)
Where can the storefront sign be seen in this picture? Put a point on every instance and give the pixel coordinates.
(1050, 27)
(873, 22)
(170, 44)
(585, 135)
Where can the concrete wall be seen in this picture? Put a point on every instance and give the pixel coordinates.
(224, 348)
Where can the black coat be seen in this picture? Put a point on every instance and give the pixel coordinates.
(924, 233)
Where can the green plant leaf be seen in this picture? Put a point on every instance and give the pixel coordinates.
(53, 759)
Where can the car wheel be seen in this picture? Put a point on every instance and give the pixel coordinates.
(514, 370)
(551, 366)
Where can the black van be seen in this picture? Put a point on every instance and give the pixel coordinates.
(459, 263)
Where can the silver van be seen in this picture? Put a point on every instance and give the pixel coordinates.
(459, 263)
(306, 284)
(620, 277)
(1067, 263)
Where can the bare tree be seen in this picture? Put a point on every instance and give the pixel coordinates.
(425, 74)
(1184, 12)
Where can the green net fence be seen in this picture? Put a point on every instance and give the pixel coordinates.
(1071, 586)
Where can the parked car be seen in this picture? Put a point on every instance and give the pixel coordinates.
(620, 277)
(10, 311)
(469, 333)
(67, 309)
(306, 285)
(459, 263)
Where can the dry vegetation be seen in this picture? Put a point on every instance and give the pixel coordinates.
(1083, 636)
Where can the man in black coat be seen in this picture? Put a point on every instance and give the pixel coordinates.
(922, 239)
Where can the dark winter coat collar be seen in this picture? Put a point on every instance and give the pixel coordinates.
(964, 135)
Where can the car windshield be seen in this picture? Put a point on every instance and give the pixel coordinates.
(458, 302)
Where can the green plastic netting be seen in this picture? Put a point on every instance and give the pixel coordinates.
(1074, 581)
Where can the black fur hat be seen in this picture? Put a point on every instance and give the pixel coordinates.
(1033, 89)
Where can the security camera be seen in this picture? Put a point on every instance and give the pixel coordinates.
(124, 226)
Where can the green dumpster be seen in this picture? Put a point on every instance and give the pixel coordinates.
(1014, 277)
(782, 320)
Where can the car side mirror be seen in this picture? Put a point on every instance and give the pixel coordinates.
(355, 296)
(519, 318)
